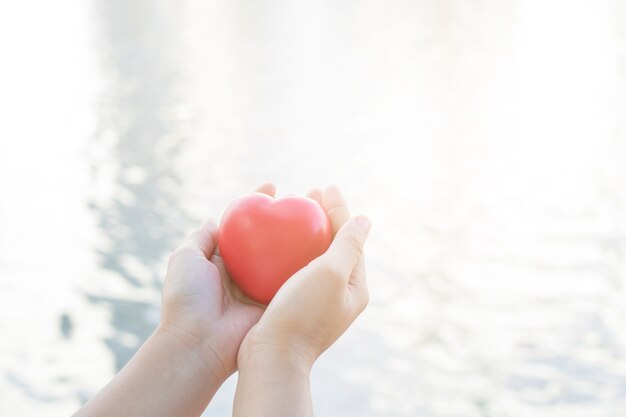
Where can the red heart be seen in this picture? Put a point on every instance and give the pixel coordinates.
(264, 241)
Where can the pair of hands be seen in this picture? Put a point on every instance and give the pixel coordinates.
(209, 329)
(204, 309)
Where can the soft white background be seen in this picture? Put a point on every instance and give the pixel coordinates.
(485, 138)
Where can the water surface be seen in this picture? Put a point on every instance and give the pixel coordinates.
(485, 139)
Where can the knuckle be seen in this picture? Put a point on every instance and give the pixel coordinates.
(196, 234)
(329, 270)
(333, 209)
(365, 299)
(183, 253)
(353, 241)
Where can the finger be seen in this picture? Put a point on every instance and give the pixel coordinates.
(316, 194)
(357, 285)
(347, 248)
(205, 238)
(358, 273)
(336, 207)
(267, 188)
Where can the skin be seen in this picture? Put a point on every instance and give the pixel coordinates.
(209, 328)
(307, 315)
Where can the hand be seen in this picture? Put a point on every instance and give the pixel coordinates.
(315, 306)
(194, 349)
(201, 305)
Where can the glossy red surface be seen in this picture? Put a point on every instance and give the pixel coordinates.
(264, 241)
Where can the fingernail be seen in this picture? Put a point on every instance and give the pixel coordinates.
(363, 223)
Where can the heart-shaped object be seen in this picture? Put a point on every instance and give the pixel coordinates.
(264, 241)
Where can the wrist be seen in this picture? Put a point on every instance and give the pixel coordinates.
(163, 378)
(200, 355)
(271, 371)
(258, 352)
(272, 381)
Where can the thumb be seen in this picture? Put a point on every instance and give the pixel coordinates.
(347, 246)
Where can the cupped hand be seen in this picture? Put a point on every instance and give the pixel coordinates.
(201, 305)
(316, 305)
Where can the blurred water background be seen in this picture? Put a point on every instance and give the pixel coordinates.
(486, 140)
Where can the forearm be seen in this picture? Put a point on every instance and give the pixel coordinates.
(166, 377)
(273, 386)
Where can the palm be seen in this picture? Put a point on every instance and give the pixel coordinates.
(201, 299)
(236, 311)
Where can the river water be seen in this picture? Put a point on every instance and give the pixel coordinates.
(485, 139)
